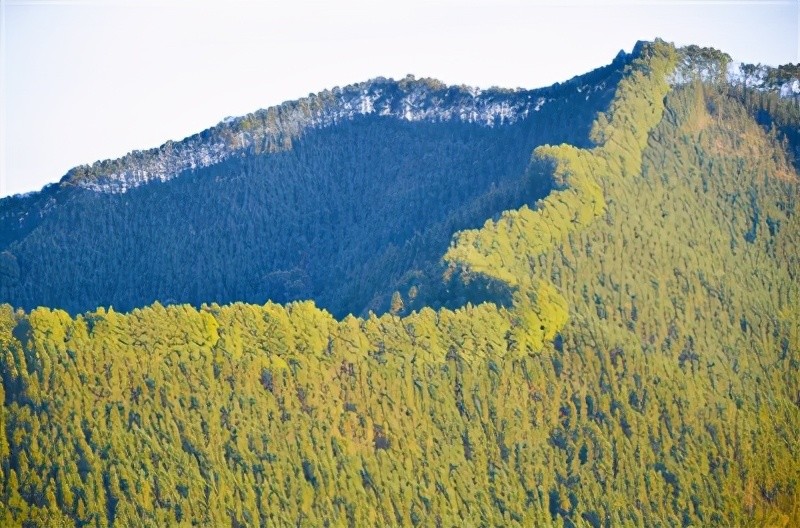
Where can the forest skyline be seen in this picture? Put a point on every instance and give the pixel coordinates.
(103, 90)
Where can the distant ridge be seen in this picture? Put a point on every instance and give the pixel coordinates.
(275, 128)
(411, 99)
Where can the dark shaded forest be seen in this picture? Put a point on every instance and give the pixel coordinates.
(347, 215)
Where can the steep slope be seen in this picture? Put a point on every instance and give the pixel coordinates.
(342, 197)
(646, 373)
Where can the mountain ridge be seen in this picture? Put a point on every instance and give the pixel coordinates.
(275, 128)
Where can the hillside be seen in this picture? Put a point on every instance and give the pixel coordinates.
(643, 371)
(342, 197)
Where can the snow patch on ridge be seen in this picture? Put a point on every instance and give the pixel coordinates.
(709, 66)
(275, 128)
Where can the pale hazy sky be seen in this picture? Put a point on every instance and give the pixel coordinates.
(89, 80)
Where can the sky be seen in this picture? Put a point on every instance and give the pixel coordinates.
(82, 81)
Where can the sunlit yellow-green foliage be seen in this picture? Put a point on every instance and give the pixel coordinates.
(505, 250)
(646, 374)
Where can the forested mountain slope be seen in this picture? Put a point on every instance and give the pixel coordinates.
(644, 374)
(342, 197)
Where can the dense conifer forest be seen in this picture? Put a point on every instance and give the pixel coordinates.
(642, 368)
